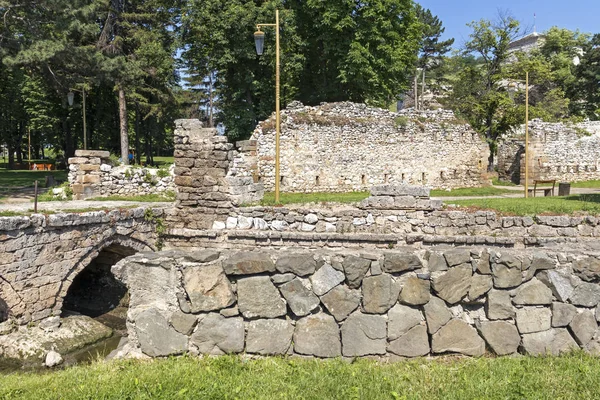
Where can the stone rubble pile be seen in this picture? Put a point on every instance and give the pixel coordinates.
(388, 303)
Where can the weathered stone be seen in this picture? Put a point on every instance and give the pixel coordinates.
(458, 337)
(230, 312)
(400, 262)
(278, 279)
(355, 269)
(498, 305)
(502, 337)
(207, 288)
(414, 343)
(301, 264)
(246, 263)
(437, 314)
(453, 285)
(300, 299)
(483, 264)
(532, 293)
(415, 291)
(258, 297)
(457, 257)
(269, 336)
(587, 268)
(244, 222)
(436, 262)
(584, 326)
(217, 335)
(325, 279)
(480, 285)
(317, 335)
(541, 261)
(203, 256)
(53, 359)
(341, 301)
(533, 319)
(183, 323)
(401, 319)
(506, 277)
(400, 190)
(311, 218)
(363, 334)
(559, 283)
(550, 342)
(586, 295)
(156, 337)
(562, 314)
(380, 293)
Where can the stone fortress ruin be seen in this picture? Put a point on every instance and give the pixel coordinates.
(350, 147)
(563, 152)
(396, 276)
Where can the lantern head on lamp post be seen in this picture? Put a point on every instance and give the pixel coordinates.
(259, 41)
(70, 98)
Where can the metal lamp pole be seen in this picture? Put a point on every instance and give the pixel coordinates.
(259, 39)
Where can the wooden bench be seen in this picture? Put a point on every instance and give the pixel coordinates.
(548, 191)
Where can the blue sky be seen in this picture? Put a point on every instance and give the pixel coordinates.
(574, 14)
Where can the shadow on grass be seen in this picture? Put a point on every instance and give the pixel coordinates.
(590, 198)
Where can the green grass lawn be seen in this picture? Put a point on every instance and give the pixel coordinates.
(15, 179)
(478, 191)
(160, 161)
(587, 203)
(586, 184)
(300, 198)
(568, 377)
(497, 182)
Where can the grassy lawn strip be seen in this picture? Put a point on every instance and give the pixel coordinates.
(478, 191)
(573, 376)
(147, 198)
(300, 198)
(587, 203)
(497, 182)
(586, 184)
(9, 178)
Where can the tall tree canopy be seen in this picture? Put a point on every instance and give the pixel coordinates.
(330, 51)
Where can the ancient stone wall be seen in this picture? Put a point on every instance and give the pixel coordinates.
(558, 151)
(40, 255)
(387, 303)
(92, 175)
(349, 147)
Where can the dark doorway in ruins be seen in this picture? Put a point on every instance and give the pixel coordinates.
(3, 310)
(95, 292)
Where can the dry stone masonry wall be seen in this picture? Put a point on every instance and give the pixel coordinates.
(349, 147)
(558, 151)
(92, 175)
(394, 303)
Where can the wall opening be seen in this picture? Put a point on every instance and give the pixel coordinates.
(317, 180)
(95, 291)
(386, 178)
(423, 177)
(403, 177)
(3, 310)
(363, 179)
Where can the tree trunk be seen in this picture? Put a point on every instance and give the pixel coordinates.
(138, 155)
(210, 99)
(123, 127)
(11, 156)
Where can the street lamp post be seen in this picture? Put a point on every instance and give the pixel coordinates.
(512, 88)
(259, 41)
(70, 97)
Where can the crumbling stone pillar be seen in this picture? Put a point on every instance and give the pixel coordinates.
(205, 191)
(85, 175)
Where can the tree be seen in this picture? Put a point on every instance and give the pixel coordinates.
(588, 73)
(330, 51)
(478, 94)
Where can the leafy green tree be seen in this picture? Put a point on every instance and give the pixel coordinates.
(588, 73)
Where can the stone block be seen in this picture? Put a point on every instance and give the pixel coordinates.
(89, 167)
(506, 276)
(258, 297)
(325, 279)
(414, 343)
(532, 293)
(380, 293)
(299, 298)
(458, 337)
(92, 153)
(498, 305)
(454, 284)
(400, 262)
(183, 323)
(562, 314)
(341, 301)
(586, 295)
(400, 190)
(246, 263)
(436, 262)
(587, 268)
(217, 335)
(401, 319)
(584, 327)
(559, 283)
(457, 257)
(550, 342)
(91, 179)
(415, 291)
(317, 335)
(480, 285)
(355, 269)
(301, 264)
(437, 314)
(363, 334)
(269, 336)
(156, 337)
(207, 288)
(502, 337)
(78, 160)
(533, 319)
